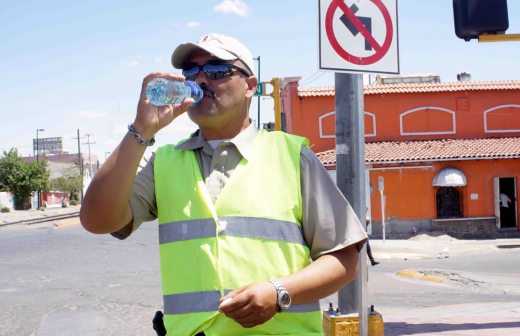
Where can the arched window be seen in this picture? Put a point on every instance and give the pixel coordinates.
(448, 202)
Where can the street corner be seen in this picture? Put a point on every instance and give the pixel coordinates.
(421, 275)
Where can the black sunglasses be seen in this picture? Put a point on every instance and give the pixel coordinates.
(212, 71)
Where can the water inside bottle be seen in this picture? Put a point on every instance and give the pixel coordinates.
(161, 91)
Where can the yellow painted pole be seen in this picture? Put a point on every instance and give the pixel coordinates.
(275, 82)
(498, 37)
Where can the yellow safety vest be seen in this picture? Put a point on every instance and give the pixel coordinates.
(252, 233)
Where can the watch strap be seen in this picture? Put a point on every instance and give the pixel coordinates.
(280, 290)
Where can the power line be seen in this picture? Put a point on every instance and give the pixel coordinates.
(310, 79)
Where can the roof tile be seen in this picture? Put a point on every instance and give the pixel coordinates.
(433, 150)
(417, 87)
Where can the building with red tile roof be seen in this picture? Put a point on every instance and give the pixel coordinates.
(445, 151)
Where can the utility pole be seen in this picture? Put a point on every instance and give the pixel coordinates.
(38, 130)
(350, 170)
(80, 163)
(88, 143)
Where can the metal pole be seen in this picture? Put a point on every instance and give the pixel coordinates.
(258, 98)
(383, 215)
(80, 163)
(277, 109)
(350, 177)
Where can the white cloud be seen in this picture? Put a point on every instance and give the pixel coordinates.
(132, 63)
(92, 114)
(159, 60)
(192, 24)
(236, 7)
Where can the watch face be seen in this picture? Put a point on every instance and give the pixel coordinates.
(285, 300)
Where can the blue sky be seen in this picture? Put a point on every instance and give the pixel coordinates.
(69, 65)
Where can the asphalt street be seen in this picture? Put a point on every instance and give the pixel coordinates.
(57, 279)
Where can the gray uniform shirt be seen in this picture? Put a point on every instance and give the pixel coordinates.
(329, 222)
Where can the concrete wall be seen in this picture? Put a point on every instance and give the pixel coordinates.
(6, 200)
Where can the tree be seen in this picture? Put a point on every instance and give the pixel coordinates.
(21, 178)
(70, 181)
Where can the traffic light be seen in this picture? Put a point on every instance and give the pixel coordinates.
(477, 17)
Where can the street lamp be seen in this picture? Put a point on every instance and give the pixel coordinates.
(38, 130)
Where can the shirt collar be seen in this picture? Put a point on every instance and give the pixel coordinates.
(195, 141)
(244, 142)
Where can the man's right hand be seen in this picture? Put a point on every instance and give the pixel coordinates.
(105, 207)
(150, 118)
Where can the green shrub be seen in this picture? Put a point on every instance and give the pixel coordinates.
(73, 202)
(5, 209)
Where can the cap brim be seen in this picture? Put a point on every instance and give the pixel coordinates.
(183, 52)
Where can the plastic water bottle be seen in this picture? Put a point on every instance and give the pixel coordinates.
(162, 91)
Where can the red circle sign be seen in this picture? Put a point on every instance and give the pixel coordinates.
(381, 50)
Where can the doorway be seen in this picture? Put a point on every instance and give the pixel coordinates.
(507, 202)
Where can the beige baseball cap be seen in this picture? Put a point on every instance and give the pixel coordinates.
(223, 47)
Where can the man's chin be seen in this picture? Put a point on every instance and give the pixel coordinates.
(201, 114)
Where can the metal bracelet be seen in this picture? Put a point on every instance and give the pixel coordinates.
(138, 137)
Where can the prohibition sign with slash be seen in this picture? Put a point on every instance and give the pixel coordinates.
(354, 22)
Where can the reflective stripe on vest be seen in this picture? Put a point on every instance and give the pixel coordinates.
(248, 227)
(199, 302)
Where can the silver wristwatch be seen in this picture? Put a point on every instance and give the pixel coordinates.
(284, 298)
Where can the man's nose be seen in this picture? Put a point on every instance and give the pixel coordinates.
(201, 78)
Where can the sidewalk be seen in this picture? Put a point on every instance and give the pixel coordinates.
(491, 318)
(483, 319)
(437, 245)
(28, 216)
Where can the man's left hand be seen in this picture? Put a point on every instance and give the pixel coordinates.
(251, 305)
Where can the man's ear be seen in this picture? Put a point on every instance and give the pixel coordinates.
(251, 83)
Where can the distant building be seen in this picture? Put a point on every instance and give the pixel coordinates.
(59, 163)
(445, 151)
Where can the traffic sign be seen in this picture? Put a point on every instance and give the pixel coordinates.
(358, 36)
(260, 89)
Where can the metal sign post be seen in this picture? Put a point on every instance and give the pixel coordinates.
(350, 176)
(360, 37)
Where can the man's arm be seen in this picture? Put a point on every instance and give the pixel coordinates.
(105, 207)
(334, 235)
(257, 303)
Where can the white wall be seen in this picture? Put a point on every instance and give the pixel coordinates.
(6, 200)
